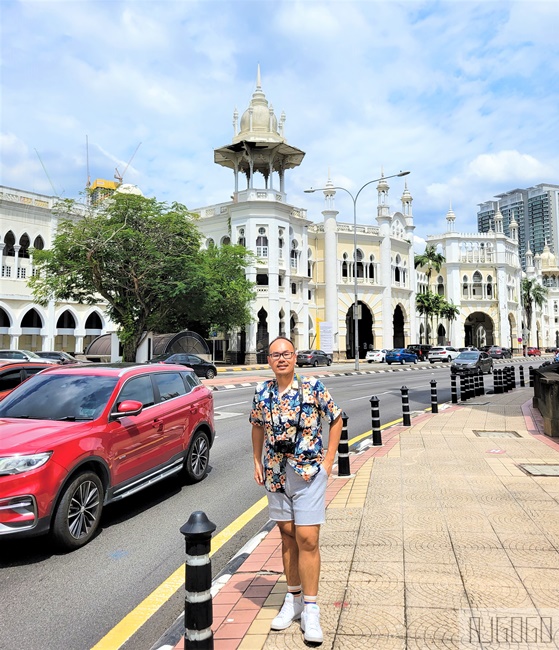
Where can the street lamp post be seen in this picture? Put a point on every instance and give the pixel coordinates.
(355, 289)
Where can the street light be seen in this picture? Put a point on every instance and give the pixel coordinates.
(355, 300)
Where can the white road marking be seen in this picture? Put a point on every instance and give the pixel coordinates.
(234, 404)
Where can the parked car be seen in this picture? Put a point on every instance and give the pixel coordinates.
(472, 360)
(445, 353)
(200, 366)
(313, 358)
(76, 438)
(400, 355)
(551, 350)
(377, 356)
(485, 348)
(14, 372)
(24, 355)
(468, 348)
(498, 352)
(533, 352)
(62, 358)
(422, 350)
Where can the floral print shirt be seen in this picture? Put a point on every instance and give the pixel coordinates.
(280, 423)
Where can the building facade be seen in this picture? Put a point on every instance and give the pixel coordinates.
(28, 222)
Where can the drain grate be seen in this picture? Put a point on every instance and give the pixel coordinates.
(497, 434)
(540, 470)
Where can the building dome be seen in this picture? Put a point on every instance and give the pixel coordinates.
(258, 122)
(548, 258)
(129, 188)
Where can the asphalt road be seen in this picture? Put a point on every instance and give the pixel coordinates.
(71, 601)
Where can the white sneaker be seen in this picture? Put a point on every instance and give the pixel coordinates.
(310, 624)
(289, 612)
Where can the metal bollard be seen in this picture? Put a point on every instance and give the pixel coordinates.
(481, 383)
(343, 449)
(375, 421)
(521, 372)
(198, 613)
(463, 395)
(470, 390)
(505, 372)
(453, 389)
(497, 382)
(512, 377)
(434, 403)
(477, 383)
(531, 375)
(406, 418)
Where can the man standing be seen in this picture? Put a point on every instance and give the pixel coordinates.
(294, 468)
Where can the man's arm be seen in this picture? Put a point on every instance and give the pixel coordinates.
(257, 446)
(333, 442)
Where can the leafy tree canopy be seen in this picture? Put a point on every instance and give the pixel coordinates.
(143, 258)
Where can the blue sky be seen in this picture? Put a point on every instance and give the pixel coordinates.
(462, 94)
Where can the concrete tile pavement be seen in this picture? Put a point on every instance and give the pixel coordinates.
(438, 540)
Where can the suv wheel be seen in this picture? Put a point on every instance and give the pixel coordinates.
(197, 460)
(79, 511)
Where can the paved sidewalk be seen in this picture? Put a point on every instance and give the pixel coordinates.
(438, 531)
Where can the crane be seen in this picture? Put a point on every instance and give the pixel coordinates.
(120, 176)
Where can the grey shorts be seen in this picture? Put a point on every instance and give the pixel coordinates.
(302, 502)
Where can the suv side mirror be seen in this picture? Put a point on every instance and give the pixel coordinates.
(127, 408)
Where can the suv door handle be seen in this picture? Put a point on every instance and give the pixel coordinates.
(158, 424)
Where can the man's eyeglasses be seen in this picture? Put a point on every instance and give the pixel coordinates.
(281, 355)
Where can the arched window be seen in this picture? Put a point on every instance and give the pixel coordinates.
(262, 279)
(241, 240)
(465, 286)
(476, 287)
(372, 268)
(24, 242)
(489, 287)
(280, 248)
(440, 285)
(38, 244)
(66, 321)
(226, 241)
(210, 243)
(294, 288)
(262, 243)
(397, 269)
(344, 266)
(294, 255)
(93, 322)
(9, 240)
(32, 319)
(359, 267)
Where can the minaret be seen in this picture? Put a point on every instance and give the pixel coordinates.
(383, 209)
(498, 221)
(513, 229)
(450, 219)
(258, 146)
(407, 200)
(384, 220)
(330, 256)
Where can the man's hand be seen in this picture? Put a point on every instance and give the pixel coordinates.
(259, 473)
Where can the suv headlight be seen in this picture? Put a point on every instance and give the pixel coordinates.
(20, 464)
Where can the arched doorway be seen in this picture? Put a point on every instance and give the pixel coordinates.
(479, 330)
(262, 336)
(398, 321)
(65, 327)
(513, 333)
(5, 325)
(366, 338)
(441, 335)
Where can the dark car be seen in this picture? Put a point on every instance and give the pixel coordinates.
(76, 438)
(200, 366)
(14, 372)
(400, 355)
(533, 352)
(498, 352)
(313, 358)
(472, 360)
(62, 358)
(421, 350)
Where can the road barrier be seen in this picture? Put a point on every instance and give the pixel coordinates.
(375, 421)
(406, 418)
(434, 401)
(198, 613)
(343, 449)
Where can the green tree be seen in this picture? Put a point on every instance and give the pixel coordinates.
(428, 305)
(449, 311)
(533, 293)
(141, 256)
(431, 261)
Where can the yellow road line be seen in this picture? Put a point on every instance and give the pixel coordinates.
(133, 621)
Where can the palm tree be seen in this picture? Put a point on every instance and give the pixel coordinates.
(532, 294)
(449, 311)
(428, 304)
(429, 260)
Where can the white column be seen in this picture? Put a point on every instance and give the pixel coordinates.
(330, 268)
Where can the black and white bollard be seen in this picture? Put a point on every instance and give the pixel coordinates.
(506, 381)
(463, 394)
(375, 421)
(481, 383)
(470, 390)
(434, 402)
(198, 613)
(406, 418)
(343, 449)
(497, 386)
(477, 383)
(531, 375)
(521, 373)
(512, 377)
(453, 389)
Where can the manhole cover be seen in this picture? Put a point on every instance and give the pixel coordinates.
(497, 434)
(541, 470)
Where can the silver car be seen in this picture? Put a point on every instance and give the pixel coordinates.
(472, 360)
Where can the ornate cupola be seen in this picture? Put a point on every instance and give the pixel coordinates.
(498, 221)
(450, 219)
(258, 145)
(383, 209)
(513, 229)
(548, 258)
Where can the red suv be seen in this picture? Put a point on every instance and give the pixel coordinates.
(75, 438)
(13, 372)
